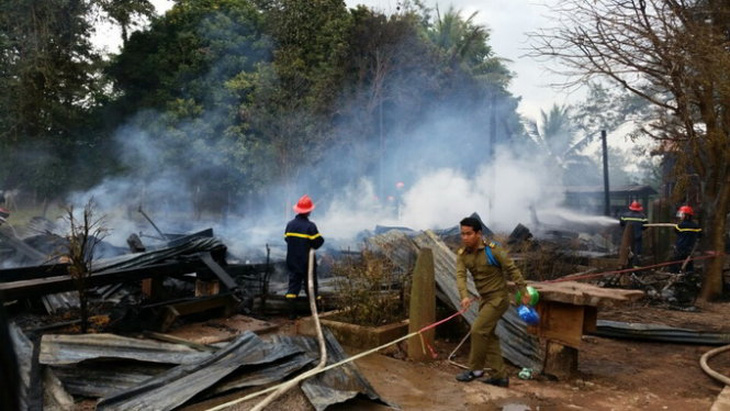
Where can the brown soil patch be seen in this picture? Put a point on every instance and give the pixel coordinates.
(613, 374)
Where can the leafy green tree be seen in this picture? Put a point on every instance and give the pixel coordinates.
(50, 87)
(182, 83)
(294, 102)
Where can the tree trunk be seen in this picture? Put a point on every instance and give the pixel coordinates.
(712, 284)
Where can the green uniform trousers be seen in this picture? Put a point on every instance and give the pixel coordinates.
(485, 349)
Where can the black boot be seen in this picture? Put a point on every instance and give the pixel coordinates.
(291, 303)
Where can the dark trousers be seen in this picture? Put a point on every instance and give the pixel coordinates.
(297, 281)
(636, 249)
(681, 256)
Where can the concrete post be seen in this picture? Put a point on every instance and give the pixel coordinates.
(423, 306)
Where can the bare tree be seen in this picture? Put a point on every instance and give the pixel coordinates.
(86, 232)
(673, 54)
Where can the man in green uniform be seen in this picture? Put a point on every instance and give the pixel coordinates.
(487, 264)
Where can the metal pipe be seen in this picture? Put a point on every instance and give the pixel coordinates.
(153, 224)
(607, 197)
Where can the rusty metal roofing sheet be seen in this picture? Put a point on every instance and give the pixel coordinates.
(337, 385)
(102, 379)
(253, 377)
(194, 245)
(57, 349)
(24, 354)
(173, 388)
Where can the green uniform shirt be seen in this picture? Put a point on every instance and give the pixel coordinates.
(488, 279)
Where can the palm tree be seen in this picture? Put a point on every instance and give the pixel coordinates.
(556, 136)
(464, 43)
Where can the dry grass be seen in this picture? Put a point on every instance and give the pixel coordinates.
(370, 290)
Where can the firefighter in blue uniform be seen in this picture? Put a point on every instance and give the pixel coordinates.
(301, 235)
(688, 232)
(636, 219)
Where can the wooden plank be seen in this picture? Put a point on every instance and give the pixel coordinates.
(222, 275)
(560, 361)
(225, 304)
(168, 318)
(177, 340)
(198, 306)
(152, 288)
(49, 285)
(590, 319)
(561, 322)
(573, 292)
(422, 306)
(207, 288)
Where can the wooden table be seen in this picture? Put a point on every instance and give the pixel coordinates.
(568, 309)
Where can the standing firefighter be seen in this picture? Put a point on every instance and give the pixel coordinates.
(636, 219)
(301, 235)
(487, 264)
(688, 232)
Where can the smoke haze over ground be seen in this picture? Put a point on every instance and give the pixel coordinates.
(444, 166)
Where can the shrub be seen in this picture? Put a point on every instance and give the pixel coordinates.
(370, 290)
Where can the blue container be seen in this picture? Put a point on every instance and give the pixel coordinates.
(528, 314)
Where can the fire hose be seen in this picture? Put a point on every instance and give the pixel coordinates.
(320, 368)
(316, 371)
(320, 338)
(706, 368)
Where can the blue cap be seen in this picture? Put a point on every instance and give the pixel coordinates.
(528, 314)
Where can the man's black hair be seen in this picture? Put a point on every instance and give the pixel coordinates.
(473, 223)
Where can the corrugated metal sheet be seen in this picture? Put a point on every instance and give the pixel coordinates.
(173, 388)
(195, 245)
(272, 373)
(337, 385)
(658, 332)
(66, 300)
(24, 353)
(103, 379)
(71, 349)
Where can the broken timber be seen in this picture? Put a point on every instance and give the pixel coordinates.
(194, 256)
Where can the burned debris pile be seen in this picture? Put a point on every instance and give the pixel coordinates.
(127, 362)
(141, 293)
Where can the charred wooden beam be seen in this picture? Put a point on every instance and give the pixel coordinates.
(224, 304)
(29, 273)
(219, 272)
(40, 286)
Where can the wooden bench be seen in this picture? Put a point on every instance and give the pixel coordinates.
(568, 310)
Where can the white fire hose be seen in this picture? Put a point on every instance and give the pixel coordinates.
(320, 337)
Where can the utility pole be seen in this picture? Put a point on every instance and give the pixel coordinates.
(607, 197)
(491, 151)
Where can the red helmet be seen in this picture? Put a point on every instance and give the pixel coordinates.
(635, 206)
(685, 209)
(304, 205)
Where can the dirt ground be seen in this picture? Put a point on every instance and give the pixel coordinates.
(613, 374)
